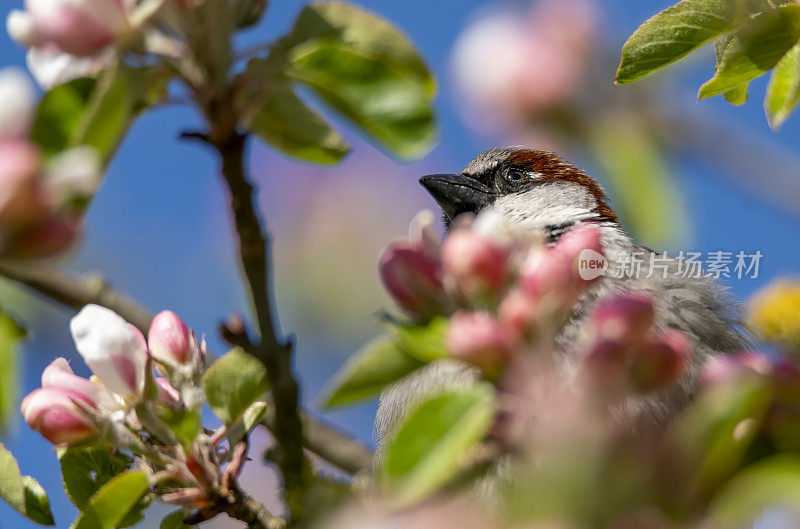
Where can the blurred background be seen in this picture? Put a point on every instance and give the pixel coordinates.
(683, 175)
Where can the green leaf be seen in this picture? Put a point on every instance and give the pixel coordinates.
(435, 440)
(37, 504)
(674, 33)
(185, 424)
(287, 124)
(647, 198)
(774, 482)
(233, 383)
(85, 470)
(58, 114)
(110, 505)
(10, 335)
(174, 521)
(382, 99)
(705, 434)
(783, 92)
(424, 342)
(378, 364)
(739, 95)
(250, 419)
(361, 31)
(23, 493)
(755, 50)
(96, 112)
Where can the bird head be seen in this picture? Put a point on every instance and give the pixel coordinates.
(535, 188)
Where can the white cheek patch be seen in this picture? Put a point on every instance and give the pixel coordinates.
(548, 204)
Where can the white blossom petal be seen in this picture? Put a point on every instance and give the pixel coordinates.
(114, 350)
(52, 67)
(73, 173)
(16, 110)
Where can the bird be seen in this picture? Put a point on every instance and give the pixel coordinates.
(539, 190)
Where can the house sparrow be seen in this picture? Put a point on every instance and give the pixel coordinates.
(541, 191)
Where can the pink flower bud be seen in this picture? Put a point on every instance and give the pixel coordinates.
(59, 375)
(477, 264)
(114, 349)
(607, 366)
(582, 237)
(169, 339)
(731, 368)
(412, 278)
(657, 363)
(55, 414)
(545, 273)
(519, 312)
(479, 339)
(21, 200)
(78, 27)
(555, 273)
(166, 393)
(49, 237)
(621, 367)
(625, 318)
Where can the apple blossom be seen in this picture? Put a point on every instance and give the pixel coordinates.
(478, 338)
(519, 311)
(56, 414)
(412, 277)
(169, 340)
(660, 361)
(21, 200)
(554, 272)
(477, 263)
(73, 173)
(77, 27)
(18, 105)
(625, 318)
(166, 392)
(517, 61)
(59, 375)
(114, 349)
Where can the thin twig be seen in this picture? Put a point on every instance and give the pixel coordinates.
(272, 350)
(75, 292)
(246, 509)
(325, 441)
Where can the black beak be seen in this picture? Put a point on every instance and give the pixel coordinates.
(457, 193)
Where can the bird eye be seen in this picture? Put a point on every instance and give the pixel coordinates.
(514, 175)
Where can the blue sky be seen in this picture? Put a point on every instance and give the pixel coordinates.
(158, 229)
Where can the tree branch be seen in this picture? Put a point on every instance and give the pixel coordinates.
(75, 292)
(246, 509)
(323, 440)
(274, 352)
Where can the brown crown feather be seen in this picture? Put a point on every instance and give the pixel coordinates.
(552, 167)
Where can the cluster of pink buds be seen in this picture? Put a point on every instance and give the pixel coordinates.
(524, 59)
(68, 409)
(37, 217)
(774, 375)
(627, 354)
(68, 39)
(503, 289)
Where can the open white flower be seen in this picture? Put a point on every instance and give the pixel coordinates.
(113, 348)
